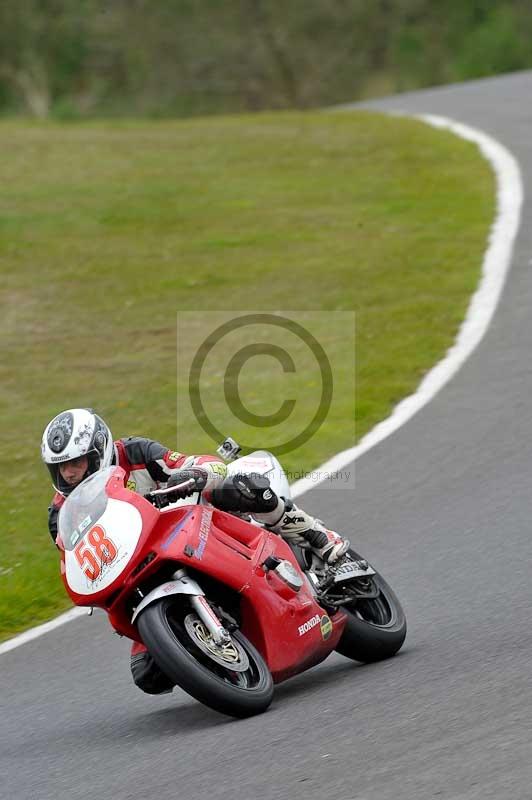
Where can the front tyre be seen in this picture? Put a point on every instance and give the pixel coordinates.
(376, 626)
(233, 680)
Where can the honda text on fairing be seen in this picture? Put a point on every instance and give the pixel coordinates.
(225, 607)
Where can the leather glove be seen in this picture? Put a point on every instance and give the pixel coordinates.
(194, 479)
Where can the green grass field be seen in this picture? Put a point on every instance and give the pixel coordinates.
(108, 230)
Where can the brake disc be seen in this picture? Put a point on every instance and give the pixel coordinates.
(230, 655)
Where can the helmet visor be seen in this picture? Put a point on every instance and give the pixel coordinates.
(66, 475)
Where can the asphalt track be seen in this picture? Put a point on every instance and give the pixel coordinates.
(444, 508)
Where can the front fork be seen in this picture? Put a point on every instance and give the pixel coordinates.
(204, 611)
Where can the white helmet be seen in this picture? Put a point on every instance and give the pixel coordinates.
(74, 433)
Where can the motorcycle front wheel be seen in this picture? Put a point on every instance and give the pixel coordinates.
(233, 680)
(376, 627)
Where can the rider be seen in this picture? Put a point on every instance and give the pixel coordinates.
(77, 443)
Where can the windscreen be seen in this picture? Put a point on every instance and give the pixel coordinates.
(83, 507)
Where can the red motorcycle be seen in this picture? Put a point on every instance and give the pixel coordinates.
(226, 608)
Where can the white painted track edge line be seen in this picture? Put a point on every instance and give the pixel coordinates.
(495, 267)
(34, 633)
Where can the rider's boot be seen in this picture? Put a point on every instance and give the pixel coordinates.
(253, 494)
(296, 524)
(146, 674)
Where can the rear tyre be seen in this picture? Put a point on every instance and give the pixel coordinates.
(376, 628)
(233, 680)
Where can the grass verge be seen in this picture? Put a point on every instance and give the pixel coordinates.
(107, 230)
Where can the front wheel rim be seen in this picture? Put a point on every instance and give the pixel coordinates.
(248, 679)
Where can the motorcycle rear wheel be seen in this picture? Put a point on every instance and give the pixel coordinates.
(166, 628)
(375, 628)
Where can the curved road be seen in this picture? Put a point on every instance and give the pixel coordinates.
(444, 509)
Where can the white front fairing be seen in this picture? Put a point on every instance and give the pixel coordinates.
(121, 525)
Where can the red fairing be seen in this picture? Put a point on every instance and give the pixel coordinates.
(289, 628)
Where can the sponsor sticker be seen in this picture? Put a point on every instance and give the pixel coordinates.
(309, 624)
(173, 456)
(77, 532)
(84, 523)
(326, 627)
(205, 526)
(323, 621)
(218, 469)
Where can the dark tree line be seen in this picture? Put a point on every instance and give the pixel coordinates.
(74, 58)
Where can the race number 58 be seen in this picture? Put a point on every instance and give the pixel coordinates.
(95, 551)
